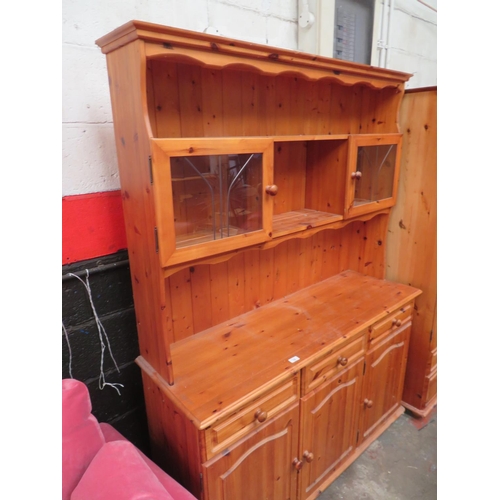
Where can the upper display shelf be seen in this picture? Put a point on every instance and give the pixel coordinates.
(220, 52)
(234, 145)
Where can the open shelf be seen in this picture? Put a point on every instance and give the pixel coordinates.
(310, 174)
(310, 137)
(300, 220)
(203, 236)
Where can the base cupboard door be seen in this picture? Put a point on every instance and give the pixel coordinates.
(330, 416)
(383, 380)
(262, 466)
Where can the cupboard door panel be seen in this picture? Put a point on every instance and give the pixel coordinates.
(258, 467)
(373, 173)
(211, 196)
(330, 416)
(383, 380)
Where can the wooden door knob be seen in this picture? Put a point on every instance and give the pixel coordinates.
(356, 175)
(297, 464)
(368, 403)
(260, 415)
(272, 190)
(308, 456)
(342, 361)
(396, 322)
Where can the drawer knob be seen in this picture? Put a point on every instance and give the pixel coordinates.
(260, 415)
(396, 322)
(342, 361)
(356, 175)
(368, 403)
(272, 190)
(297, 463)
(308, 456)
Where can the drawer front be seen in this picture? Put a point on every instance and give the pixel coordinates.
(330, 364)
(431, 383)
(391, 322)
(434, 360)
(249, 418)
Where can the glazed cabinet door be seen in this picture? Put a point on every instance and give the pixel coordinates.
(330, 417)
(262, 466)
(383, 379)
(373, 172)
(211, 195)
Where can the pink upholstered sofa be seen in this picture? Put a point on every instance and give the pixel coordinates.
(98, 463)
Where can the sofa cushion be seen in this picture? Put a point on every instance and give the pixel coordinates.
(118, 472)
(81, 435)
(173, 487)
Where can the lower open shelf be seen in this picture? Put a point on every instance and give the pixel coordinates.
(300, 220)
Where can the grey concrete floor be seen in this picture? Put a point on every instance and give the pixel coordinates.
(400, 465)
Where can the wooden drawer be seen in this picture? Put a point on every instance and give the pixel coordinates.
(431, 383)
(332, 363)
(253, 415)
(391, 322)
(433, 360)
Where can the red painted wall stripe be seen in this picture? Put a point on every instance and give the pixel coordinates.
(92, 226)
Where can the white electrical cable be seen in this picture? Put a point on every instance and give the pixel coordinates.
(69, 349)
(102, 332)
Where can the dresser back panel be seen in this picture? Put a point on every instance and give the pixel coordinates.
(208, 294)
(187, 100)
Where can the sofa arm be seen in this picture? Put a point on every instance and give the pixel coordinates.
(173, 487)
(82, 437)
(118, 472)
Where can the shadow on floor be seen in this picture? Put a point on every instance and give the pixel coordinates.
(400, 465)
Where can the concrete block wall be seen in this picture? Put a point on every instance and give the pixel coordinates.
(111, 292)
(413, 41)
(404, 36)
(89, 160)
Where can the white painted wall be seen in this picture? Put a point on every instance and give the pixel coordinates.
(407, 33)
(89, 161)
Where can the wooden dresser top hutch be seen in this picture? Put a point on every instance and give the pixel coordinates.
(256, 185)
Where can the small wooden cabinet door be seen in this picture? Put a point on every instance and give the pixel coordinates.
(383, 380)
(260, 466)
(224, 206)
(330, 417)
(373, 173)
